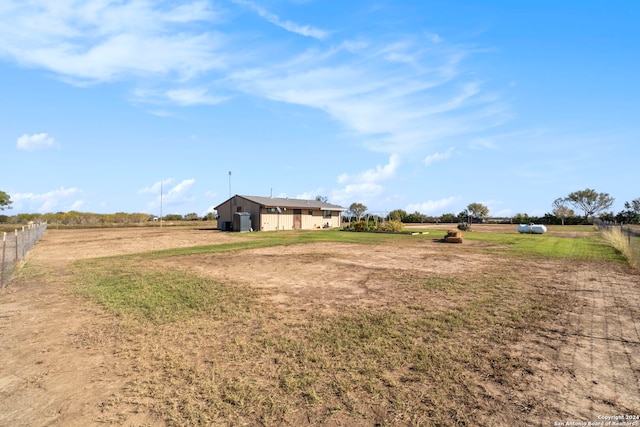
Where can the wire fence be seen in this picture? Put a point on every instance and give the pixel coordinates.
(15, 246)
(630, 233)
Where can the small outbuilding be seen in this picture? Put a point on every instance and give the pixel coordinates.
(275, 213)
(242, 222)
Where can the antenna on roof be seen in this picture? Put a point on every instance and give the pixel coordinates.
(271, 194)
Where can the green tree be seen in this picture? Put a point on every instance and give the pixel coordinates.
(191, 216)
(561, 210)
(589, 201)
(5, 201)
(415, 217)
(448, 217)
(478, 210)
(173, 217)
(631, 214)
(397, 215)
(323, 199)
(521, 219)
(634, 205)
(357, 210)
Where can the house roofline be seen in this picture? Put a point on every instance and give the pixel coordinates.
(279, 202)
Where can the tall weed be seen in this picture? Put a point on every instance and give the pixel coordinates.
(614, 237)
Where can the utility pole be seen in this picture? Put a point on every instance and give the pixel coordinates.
(160, 204)
(230, 204)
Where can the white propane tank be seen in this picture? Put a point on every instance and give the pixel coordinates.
(532, 228)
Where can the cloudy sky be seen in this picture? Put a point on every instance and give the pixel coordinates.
(418, 105)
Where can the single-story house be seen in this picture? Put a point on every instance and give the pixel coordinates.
(275, 213)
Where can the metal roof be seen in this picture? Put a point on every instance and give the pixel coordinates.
(279, 202)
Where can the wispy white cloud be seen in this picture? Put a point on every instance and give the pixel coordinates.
(303, 30)
(78, 205)
(435, 38)
(436, 157)
(379, 173)
(311, 195)
(90, 41)
(432, 206)
(62, 199)
(178, 193)
(364, 192)
(156, 187)
(173, 195)
(365, 186)
(499, 141)
(194, 96)
(493, 206)
(182, 97)
(398, 95)
(35, 142)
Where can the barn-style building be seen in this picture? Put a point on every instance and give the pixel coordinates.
(274, 213)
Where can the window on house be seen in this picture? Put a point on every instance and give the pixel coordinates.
(326, 214)
(310, 212)
(271, 210)
(239, 209)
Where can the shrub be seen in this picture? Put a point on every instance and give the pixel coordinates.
(464, 226)
(360, 226)
(390, 227)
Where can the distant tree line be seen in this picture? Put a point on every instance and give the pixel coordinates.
(591, 204)
(94, 219)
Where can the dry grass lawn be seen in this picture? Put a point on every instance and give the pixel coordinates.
(400, 331)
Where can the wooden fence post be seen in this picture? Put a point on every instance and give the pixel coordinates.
(4, 249)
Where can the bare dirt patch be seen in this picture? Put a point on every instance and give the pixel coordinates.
(330, 275)
(65, 360)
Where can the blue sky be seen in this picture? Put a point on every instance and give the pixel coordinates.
(416, 105)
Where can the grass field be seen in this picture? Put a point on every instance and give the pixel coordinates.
(425, 348)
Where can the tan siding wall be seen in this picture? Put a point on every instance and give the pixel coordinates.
(309, 222)
(316, 220)
(261, 220)
(284, 221)
(275, 221)
(334, 221)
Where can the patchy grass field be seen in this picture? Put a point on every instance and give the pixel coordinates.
(188, 327)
